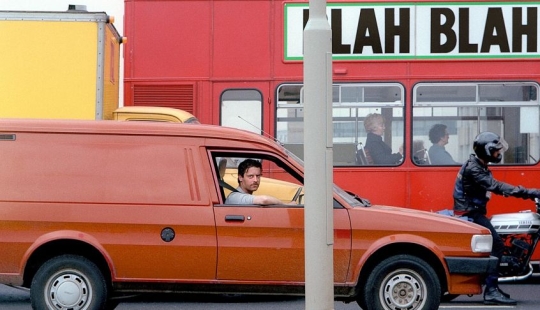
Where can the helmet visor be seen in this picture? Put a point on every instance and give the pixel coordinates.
(496, 145)
(501, 145)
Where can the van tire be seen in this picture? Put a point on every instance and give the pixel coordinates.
(69, 282)
(402, 282)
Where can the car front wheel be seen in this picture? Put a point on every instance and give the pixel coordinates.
(68, 282)
(402, 282)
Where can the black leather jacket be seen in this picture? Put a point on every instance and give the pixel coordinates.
(380, 152)
(474, 185)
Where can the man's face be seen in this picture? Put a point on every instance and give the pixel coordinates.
(251, 179)
(444, 139)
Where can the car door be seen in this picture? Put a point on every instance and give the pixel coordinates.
(266, 243)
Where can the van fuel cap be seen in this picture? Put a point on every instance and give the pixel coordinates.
(167, 234)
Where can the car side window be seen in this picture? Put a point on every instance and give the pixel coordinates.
(276, 179)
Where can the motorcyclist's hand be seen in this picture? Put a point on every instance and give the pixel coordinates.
(533, 193)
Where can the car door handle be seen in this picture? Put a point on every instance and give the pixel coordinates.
(234, 218)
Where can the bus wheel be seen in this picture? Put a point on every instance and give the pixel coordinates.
(402, 282)
(69, 282)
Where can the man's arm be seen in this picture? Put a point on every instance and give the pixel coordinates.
(237, 198)
(486, 180)
(266, 200)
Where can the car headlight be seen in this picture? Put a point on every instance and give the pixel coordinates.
(481, 243)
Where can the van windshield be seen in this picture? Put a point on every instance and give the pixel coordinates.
(293, 156)
(352, 200)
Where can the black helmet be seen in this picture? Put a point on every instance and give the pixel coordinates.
(487, 143)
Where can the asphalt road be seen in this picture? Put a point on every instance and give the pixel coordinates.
(527, 294)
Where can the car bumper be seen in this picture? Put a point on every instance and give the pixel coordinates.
(469, 265)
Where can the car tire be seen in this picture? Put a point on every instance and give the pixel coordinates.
(449, 297)
(68, 282)
(402, 282)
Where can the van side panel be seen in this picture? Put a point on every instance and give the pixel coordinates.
(99, 169)
(122, 190)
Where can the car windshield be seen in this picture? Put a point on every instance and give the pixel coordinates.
(352, 199)
(296, 158)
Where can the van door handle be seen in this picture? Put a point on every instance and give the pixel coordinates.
(234, 218)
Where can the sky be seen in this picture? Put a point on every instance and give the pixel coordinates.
(113, 8)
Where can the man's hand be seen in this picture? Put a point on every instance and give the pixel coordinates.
(533, 193)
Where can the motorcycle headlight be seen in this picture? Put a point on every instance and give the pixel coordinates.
(481, 243)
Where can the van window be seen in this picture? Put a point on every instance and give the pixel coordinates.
(277, 180)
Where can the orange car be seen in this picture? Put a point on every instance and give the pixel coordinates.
(94, 209)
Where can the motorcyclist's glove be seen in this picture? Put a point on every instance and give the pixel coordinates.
(518, 191)
(533, 193)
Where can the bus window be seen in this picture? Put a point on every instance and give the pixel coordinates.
(242, 108)
(510, 109)
(351, 104)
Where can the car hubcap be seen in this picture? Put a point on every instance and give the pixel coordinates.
(68, 291)
(403, 290)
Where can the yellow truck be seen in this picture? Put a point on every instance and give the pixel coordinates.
(61, 65)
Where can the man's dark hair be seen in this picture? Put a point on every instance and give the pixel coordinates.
(436, 132)
(246, 164)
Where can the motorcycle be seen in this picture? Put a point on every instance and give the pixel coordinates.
(520, 232)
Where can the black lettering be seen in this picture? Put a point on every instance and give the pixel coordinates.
(337, 34)
(402, 30)
(464, 45)
(529, 29)
(438, 30)
(495, 32)
(367, 33)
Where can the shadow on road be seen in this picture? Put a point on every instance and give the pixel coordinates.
(205, 298)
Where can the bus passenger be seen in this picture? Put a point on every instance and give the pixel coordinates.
(438, 135)
(472, 191)
(419, 152)
(379, 151)
(249, 178)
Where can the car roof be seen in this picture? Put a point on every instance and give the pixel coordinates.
(133, 128)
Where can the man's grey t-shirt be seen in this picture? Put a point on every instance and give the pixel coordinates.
(239, 198)
(439, 156)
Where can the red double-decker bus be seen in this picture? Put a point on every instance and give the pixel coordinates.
(462, 66)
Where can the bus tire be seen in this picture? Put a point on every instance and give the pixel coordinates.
(402, 282)
(69, 282)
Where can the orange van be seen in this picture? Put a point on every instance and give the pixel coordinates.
(90, 210)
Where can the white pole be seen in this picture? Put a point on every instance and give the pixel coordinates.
(318, 132)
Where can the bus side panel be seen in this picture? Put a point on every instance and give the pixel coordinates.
(172, 39)
(242, 39)
(374, 184)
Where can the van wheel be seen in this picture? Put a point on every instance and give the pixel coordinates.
(449, 297)
(402, 282)
(69, 282)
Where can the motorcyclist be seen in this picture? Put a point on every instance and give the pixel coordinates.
(473, 187)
